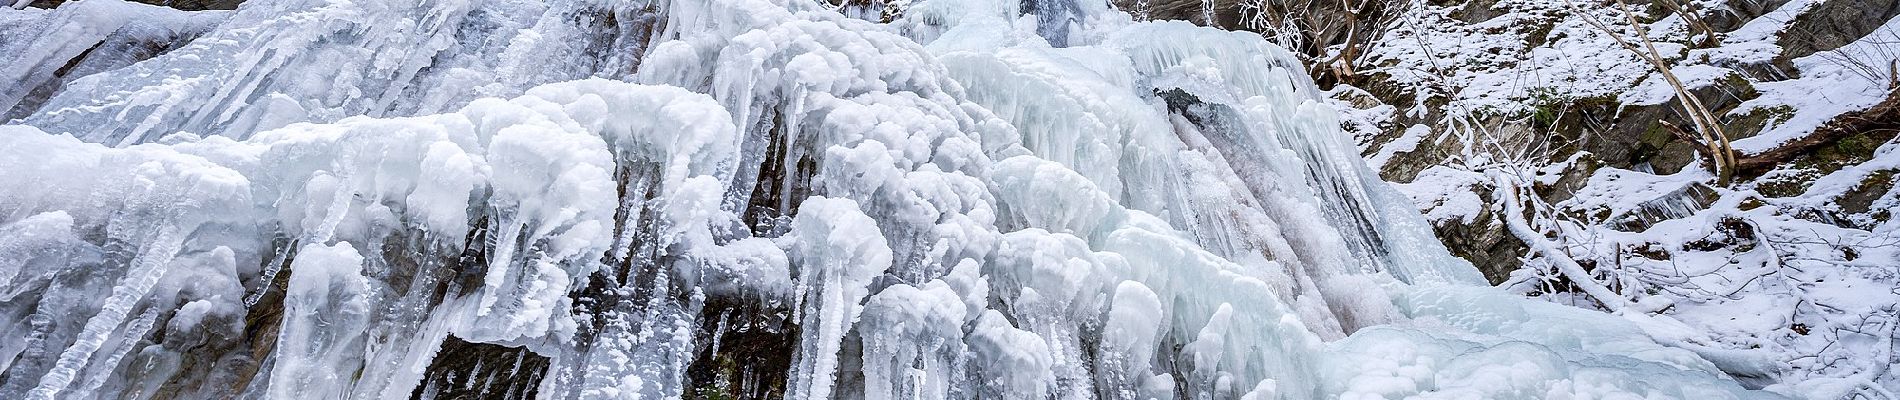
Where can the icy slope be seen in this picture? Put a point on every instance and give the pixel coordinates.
(311, 199)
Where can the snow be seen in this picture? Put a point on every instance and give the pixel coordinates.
(966, 203)
(1624, 192)
(1832, 83)
(1772, 286)
(1405, 143)
(1654, 90)
(1759, 292)
(1446, 193)
(1491, 67)
(1755, 41)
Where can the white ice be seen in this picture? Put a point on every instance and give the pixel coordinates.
(969, 202)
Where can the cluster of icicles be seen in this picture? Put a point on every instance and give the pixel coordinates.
(309, 199)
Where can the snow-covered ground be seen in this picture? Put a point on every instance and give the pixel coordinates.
(1792, 290)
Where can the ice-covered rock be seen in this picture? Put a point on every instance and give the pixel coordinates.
(969, 202)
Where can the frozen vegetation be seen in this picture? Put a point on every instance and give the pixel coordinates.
(975, 199)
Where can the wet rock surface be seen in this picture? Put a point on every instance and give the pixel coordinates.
(471, 371)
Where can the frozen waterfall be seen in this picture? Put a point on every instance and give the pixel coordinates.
(650, 199)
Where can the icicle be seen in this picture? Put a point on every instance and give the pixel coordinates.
(1083, 207)
(837, 250)
(134, 333)
(146, 270)
(911, 337)
(326, 311)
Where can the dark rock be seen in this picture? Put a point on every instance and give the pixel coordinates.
(1736, 13)
(1636, 136)
(1570, 181)
(1861, 198)
(1794, 176)
(1834, 23)
(1405, 166)
(1475, 11)
(753, 355)
(1484, 242)
(463, 370)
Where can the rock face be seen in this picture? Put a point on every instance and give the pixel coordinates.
(1598, 121)
(1470, 93)
(474, 371)
(1485, 242)
(1616, 134)
(46, 58)
(962, 272)
(1631, 135)
(1326, 34)
(1832, 24)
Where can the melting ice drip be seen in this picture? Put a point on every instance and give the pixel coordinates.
(619, 199)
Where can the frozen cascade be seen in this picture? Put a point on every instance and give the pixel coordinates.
(745, 198)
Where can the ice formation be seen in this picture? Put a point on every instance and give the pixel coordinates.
(688, 198)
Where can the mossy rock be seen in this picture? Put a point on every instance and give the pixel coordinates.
(1860, 199)
(1854, 149)
(1794, 179)
(1832, 24)
(1636, 135)
(1788, 182)
(1754, 121)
